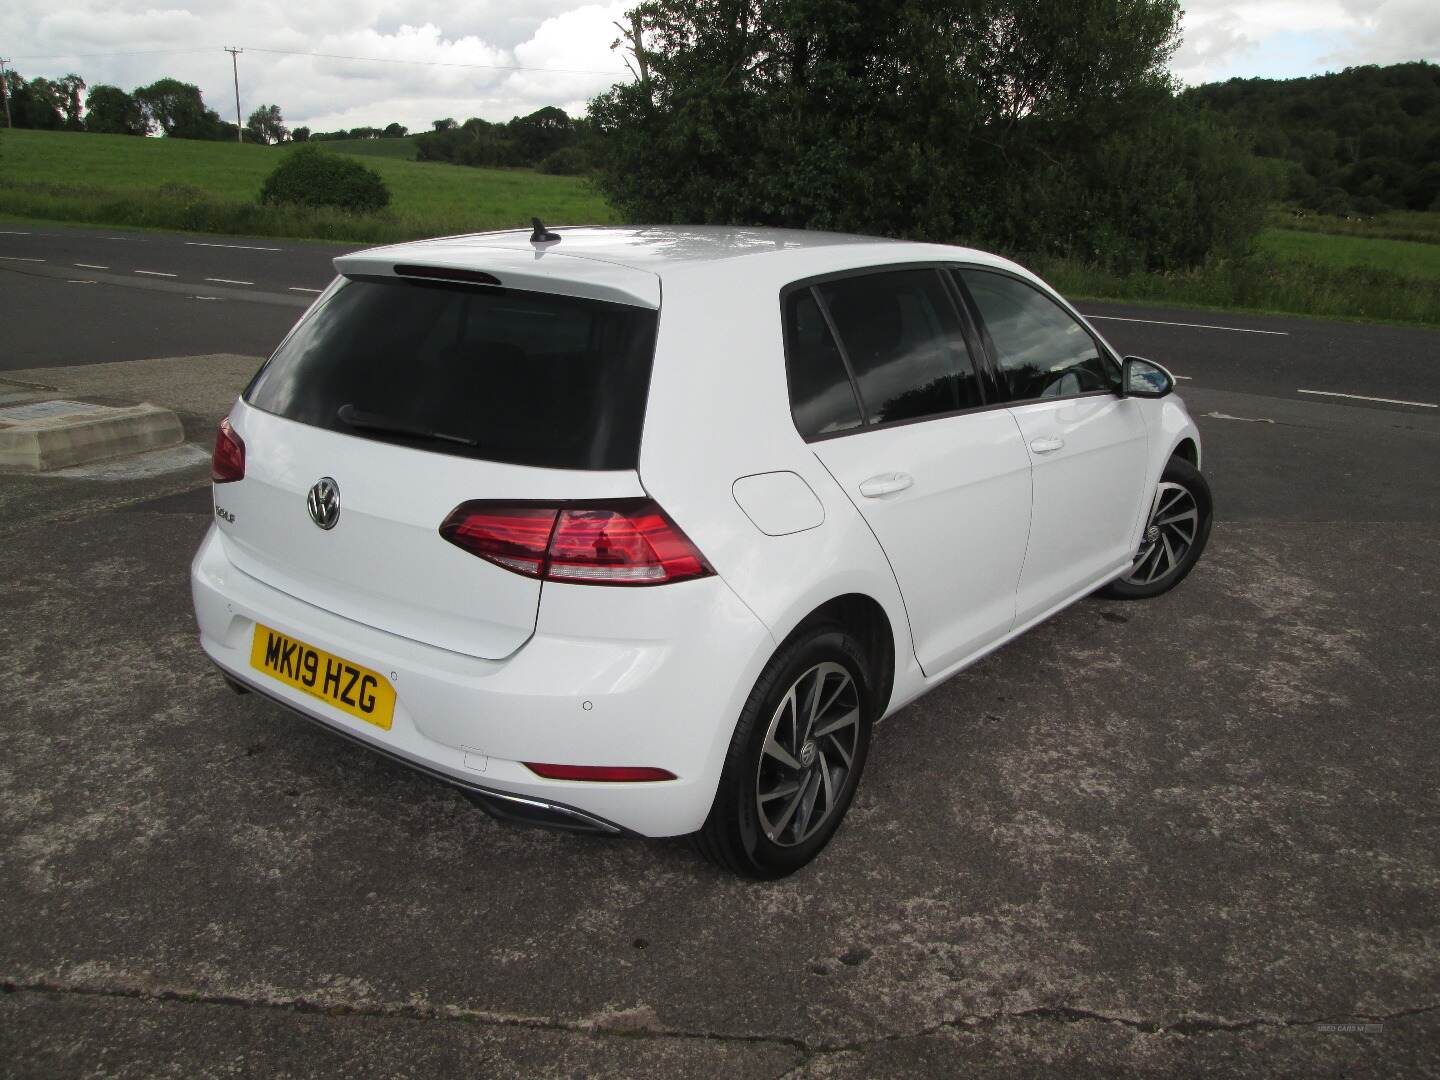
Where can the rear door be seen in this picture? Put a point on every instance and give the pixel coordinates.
(411, 397)
(1087, 444)
(884, 386)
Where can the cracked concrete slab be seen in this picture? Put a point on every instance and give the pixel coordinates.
(1146, 838)
(142, 1039)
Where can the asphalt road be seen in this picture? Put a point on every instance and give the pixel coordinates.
(74, 296)
(1180, 837)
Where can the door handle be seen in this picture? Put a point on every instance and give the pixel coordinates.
(1047, 445)
(885, 484)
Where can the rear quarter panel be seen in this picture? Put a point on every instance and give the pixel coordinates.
(718, 411)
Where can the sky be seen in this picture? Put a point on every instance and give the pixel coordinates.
(502, 58)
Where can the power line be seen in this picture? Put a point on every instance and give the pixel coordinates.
(439, 63)
(334, 56)
(91, 56)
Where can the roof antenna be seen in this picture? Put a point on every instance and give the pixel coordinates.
(542, 235)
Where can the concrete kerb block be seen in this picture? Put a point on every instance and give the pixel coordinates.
(45, 435)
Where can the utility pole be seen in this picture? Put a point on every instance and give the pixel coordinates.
(5, 90)
(235, 67)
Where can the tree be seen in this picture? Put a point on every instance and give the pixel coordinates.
(34, 104)
(68, 90)
(178, 110)
(541, 133)
(111, 111)
(266, 125)
(395, 131)
(300, 134)
(448, 124)
(902, 117)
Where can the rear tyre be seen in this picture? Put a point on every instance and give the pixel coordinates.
(1176, 530)
(795, 758)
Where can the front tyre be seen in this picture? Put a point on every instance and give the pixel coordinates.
(795, 758)
(1176, 530)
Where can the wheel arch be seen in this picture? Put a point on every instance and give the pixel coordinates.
(865, 618)
(1187, 449)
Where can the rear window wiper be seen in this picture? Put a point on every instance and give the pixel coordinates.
(348, 414)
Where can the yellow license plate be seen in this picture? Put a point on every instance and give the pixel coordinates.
(354, 689)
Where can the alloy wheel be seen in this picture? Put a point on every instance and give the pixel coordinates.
(808, 754)
(1169, 535)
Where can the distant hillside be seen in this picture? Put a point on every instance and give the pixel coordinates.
(1366, 139)
(402, 149)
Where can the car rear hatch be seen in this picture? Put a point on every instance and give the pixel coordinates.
(414, 389)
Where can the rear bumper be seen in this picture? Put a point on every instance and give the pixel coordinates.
(653, 677)
(498, 804)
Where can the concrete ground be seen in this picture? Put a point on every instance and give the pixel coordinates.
(1196, 834)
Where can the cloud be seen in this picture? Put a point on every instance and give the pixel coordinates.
(1282, 38)
(183, 38)
(430, 58)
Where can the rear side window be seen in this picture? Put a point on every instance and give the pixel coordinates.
(902, 335)
(1042, 352)
(519, 377)
(822, 399)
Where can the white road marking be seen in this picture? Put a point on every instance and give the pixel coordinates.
(155, 273)
(117, 238)
(1362, 397)
(233, 247)
(1247, 419)
(205, 298)
(79, 281)
(19, 258)
(1191, 325)
(1185, 377)
(228, 281)
(12, 232)
(91, 266)
(297, 288)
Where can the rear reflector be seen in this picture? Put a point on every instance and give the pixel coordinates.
(228, 461)
(598, 773)
(619, 542)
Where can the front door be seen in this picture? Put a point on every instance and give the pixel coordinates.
(1086, 443)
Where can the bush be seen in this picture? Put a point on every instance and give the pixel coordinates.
(567, 161)
(310, 176)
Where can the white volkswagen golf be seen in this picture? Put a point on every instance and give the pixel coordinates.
(643, 530)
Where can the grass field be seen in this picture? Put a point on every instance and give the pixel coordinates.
(213, 187)
(1304, 272)
(1419, 226)
(1404, 257)
(1381, 268)
(399, 149)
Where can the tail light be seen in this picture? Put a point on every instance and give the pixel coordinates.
(619, 542)
(228, 461)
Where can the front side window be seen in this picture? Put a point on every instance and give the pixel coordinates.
(902, 335)
(1041, 351)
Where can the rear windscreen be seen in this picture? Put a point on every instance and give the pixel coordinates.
(521, 377)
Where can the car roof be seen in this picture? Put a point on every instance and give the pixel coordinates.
(625, 264)
(646, 247)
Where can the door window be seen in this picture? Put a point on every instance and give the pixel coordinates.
(822, 399)
(902, 335)
(1041, 350)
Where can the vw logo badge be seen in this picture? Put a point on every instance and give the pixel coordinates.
(323, 502)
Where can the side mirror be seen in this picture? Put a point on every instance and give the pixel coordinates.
(1144, 378)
